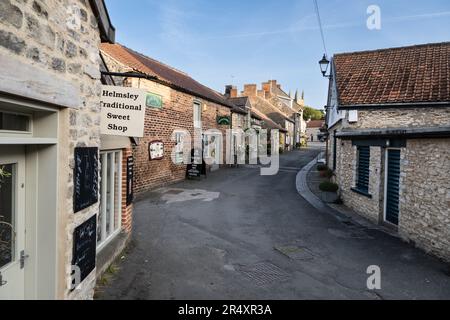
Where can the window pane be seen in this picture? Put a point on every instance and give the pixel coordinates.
(7, 196)
(13, 122)
(110, 206)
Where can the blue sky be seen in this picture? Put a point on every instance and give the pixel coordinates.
(237, 42)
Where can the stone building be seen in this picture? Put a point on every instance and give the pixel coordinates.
(313, 128)
(52, 175)
(178, 107)
(290, 106)
(280, 107)
(389, 139)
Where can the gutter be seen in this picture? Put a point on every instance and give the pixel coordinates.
(443, 104)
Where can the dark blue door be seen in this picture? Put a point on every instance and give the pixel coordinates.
(393, 186)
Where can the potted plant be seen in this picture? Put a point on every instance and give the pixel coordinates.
(329, 191)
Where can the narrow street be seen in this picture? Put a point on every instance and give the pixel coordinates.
(239, 235)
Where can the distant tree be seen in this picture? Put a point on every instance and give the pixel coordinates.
(313, 114)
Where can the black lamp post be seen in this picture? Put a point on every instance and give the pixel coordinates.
(324, 63)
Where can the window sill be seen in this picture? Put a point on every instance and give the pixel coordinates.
(363, 193)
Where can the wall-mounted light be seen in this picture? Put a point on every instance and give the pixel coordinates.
(324, 64)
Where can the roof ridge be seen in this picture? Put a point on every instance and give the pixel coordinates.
(157, 61)
(394, 48)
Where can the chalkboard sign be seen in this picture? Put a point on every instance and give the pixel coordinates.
(85, 178)
(130, 174)
(85, 246)
(197, 167)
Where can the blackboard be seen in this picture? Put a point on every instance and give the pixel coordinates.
(85, 247)
(197, 167)
(130, 174)
(85, 178)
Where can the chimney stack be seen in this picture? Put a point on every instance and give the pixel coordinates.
(231, 91)
(250, 90)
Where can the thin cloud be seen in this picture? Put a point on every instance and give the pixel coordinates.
(336, 26)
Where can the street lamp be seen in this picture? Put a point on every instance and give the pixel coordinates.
(324, 63)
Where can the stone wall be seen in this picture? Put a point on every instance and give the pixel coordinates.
(402, 117)
(239, 121)
(61, 38)
(346, 169)
(425, 195)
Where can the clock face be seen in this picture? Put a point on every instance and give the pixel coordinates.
(156, 150)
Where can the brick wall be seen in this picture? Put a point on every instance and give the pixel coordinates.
(127, 210)
(176, 114)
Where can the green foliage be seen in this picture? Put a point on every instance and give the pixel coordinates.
(327, 173)
(313, 114)
(328, 187)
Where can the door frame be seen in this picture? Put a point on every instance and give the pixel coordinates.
(16, 155)
(386, 173)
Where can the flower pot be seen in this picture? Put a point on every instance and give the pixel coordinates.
(329, 197)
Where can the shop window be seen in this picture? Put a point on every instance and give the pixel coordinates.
(363, 170)
(197, 115)
(110, 215)
(179, 147)
(14, 122)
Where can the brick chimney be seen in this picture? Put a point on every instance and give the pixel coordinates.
(231, 91)
(250, 90)
(266, 86)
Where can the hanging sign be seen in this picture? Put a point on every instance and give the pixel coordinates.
(156, 150)
(85, 247)
(122, 111)
(154, 101)
(130, 174)
(85, 178)
(223, 120)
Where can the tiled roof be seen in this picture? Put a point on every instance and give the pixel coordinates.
(398, 75)
(269, 110)
(315, 124)
(268, 123)
(240, 104)
(286, 109)
(143, 64)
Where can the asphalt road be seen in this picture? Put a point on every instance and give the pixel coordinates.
(240, 235)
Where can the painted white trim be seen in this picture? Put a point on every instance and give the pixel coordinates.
(32, 141)
(115, 203)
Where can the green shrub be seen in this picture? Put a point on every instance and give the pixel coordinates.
(328, 173)
(322, 167)
(328, 187)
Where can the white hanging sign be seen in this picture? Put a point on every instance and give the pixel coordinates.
(122, 111)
